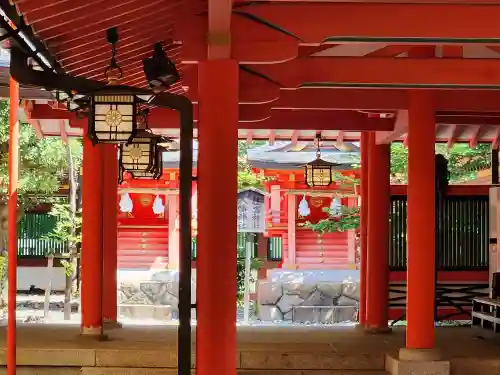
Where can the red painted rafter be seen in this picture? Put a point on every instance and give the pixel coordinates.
(475, 136)
(308, 50)
(496, 141)
(272, 137)
(454, 133)
(62, 129)
(75, 32)
(74, 44)
(340, 139)
(28, 106)
(389, 51)
(400, 129)
(249, 137)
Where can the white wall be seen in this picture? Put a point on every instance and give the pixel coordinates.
(38, 277)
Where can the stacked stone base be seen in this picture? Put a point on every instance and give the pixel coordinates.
(316, 296)
(151, 295)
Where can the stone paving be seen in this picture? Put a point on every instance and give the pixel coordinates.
(140, 350)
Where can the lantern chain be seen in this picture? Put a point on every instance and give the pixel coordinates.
(113, 72)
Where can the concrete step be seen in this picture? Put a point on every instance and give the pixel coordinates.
(60, 370)
(153, 371)
(44, 370)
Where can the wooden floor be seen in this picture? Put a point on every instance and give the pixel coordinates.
(283, 350)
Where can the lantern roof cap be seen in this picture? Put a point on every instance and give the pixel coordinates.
(289, 156)
(322, 163)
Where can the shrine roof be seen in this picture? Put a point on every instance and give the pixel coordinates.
(304, 67)
(287, 155)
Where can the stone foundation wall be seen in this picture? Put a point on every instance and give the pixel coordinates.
(151, 295)
(298, 296)
(309, 296)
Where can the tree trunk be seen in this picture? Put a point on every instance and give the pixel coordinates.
(72, 246)
(48, 288)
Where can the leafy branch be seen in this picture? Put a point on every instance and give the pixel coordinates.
(346, 218)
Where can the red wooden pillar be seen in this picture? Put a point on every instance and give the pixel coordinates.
(91, 257)
(421, 217)
(217, 198)
(378, 236)
(110, 233)
(363, 227)
(12, 225)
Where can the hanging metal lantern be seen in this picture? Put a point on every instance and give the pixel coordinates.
(112, 117)
(113, 111)
(142, 158)
(139, 154)
(319, 172)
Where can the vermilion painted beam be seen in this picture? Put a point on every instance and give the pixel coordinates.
(385, 99)
(157, 115)
(254, 116)
(253, 89)
(320, 120)
(315, 22)
(262, 45)
(219, 28)
(468, 120)
(420, 72)
(348, 121)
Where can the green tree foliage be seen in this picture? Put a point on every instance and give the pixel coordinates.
(346, 219)
(246, 178)
(66, 231)
(463, 162)
(43, 162)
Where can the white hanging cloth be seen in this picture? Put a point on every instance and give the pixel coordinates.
(304, 209)
(126, 204)
(336, 207)
(158, 206)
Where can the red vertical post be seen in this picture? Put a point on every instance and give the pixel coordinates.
(217, 199)
(12, 225)
(377, 293)
(92, 255)
(110, 234)
(421, 222)
(363, 227)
